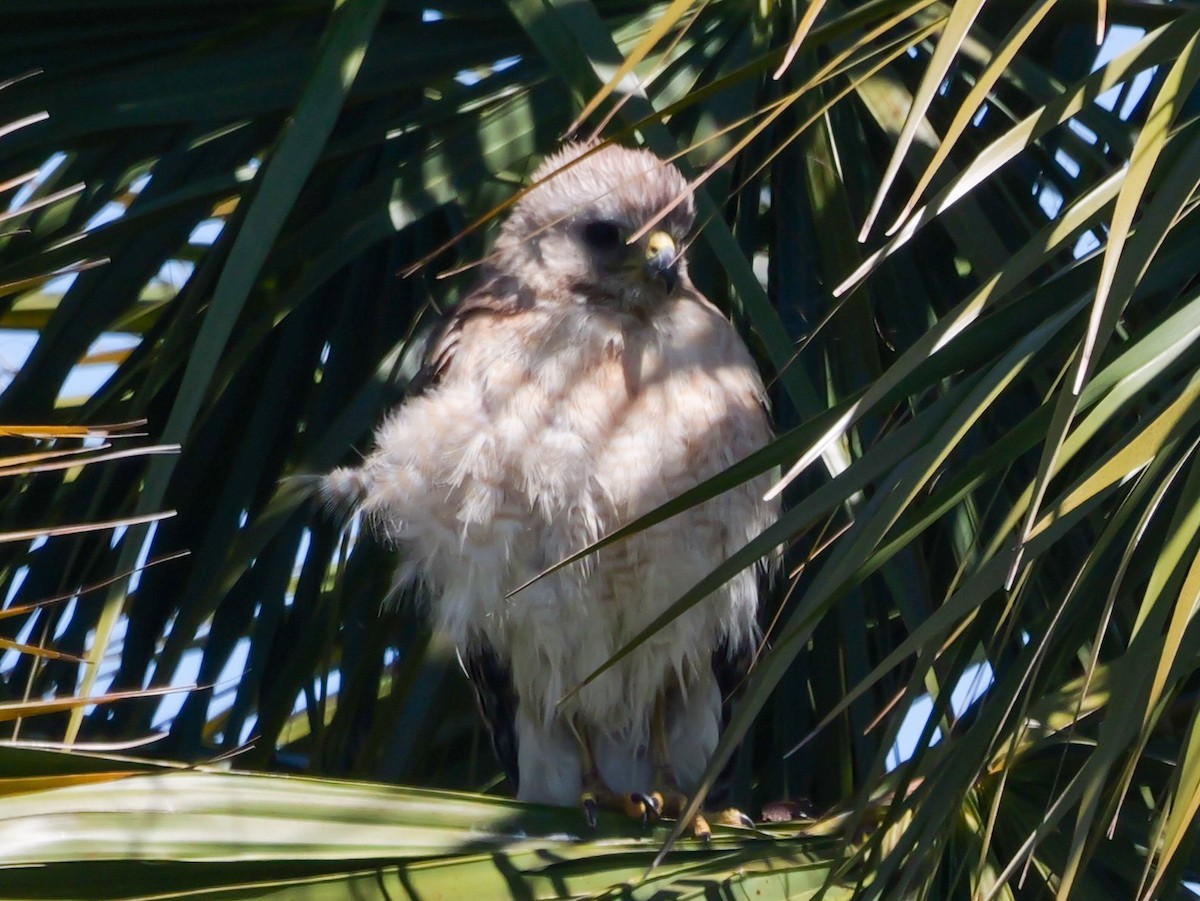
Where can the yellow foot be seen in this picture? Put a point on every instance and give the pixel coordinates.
(672, 803)
(635, 806)
(731, 816)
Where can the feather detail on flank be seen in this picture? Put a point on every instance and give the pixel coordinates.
(343, 490)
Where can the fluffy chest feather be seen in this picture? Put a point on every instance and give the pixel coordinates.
(614, 412)
(557, 428)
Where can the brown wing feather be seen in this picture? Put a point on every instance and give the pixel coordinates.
(496, 700)
(495, 295)
(488, 671)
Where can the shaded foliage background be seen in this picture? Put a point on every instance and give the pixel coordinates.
(210, 208)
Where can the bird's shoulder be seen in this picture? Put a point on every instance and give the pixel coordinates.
(496, 295)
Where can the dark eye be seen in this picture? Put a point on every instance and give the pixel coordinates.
(602, 235)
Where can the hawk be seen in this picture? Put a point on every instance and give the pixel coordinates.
(582, 383)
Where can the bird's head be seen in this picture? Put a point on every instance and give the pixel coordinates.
(571, 236)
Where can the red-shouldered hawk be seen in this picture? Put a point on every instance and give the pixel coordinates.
(581, 384)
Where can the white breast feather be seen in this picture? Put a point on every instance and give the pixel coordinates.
(547, 438)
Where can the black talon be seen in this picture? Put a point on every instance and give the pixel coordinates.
(590, 808)
(650, 809)
(646, 808)
(745, 820)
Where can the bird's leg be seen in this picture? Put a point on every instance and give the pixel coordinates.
(596, 795)
(669, 799)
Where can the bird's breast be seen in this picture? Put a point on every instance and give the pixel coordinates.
(577, 429)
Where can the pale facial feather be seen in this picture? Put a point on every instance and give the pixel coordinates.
(543, 237)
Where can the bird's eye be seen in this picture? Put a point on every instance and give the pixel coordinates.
(602, 234)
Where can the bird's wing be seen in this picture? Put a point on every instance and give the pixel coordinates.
(346, 488)
(730, 666)
(495, 295)
(497, 701)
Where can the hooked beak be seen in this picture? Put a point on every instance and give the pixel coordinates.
(662, 259)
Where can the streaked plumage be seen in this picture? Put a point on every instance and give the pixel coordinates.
(575, 389)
